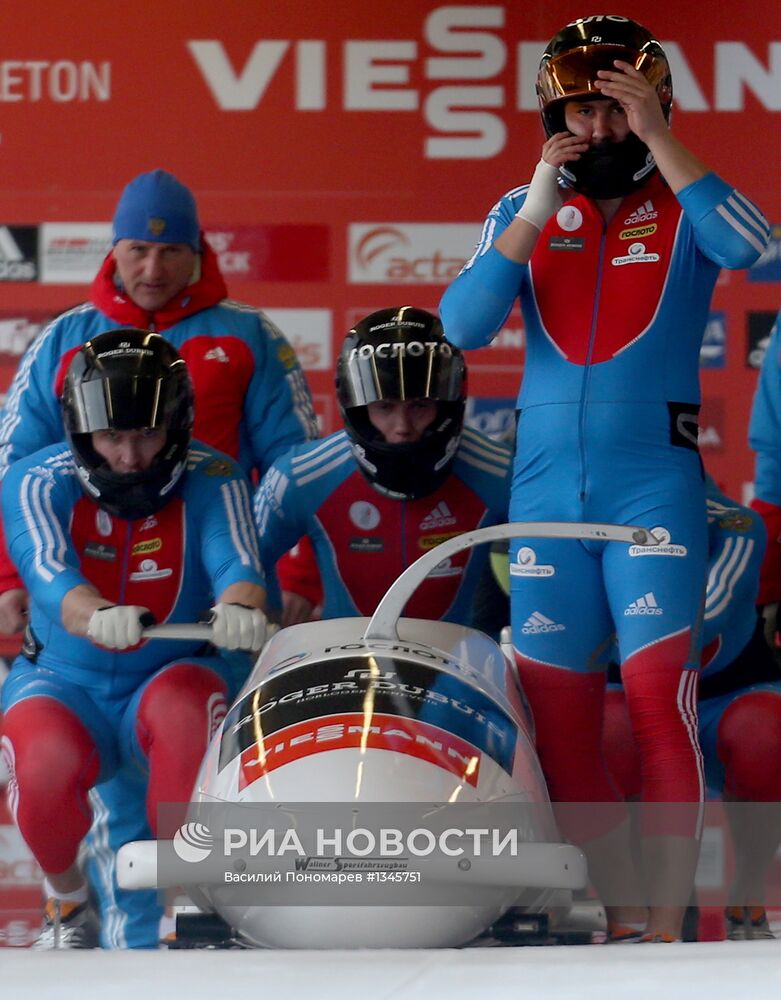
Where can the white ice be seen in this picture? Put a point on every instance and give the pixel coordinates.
(705, 971)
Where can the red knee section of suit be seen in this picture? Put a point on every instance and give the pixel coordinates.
(748, 743)
(661, 698)
(567, 709)
(618, 743)
(770, 573)
(177, 715)
(53, 763)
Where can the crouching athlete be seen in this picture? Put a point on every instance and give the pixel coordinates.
(126, 523)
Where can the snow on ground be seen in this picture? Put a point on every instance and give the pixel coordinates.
(711, 971)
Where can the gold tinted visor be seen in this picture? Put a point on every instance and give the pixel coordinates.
(572, 74)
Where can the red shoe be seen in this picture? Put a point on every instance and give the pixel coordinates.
(659, 939)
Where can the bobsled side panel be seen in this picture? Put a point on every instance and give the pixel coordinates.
(352, 685)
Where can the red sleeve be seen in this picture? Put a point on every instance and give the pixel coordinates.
(9, 578)
(770, 573)
(298, 573)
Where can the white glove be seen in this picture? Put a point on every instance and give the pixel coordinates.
(543, 197)
(119, 625)
(235, 626)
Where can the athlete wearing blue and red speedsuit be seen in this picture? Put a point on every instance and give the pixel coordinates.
(614, 316)
(75, 712)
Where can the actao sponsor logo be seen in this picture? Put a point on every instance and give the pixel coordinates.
(413, 254)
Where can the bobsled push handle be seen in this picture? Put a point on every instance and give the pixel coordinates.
(385, 618)
(200, 631)
(180, 630)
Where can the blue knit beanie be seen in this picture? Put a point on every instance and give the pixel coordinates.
(157, 208)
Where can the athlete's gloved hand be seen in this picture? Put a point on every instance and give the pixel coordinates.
(237, 626)
(119, 626)
(543, 197)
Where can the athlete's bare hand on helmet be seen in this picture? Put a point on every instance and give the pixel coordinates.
(636, 96)
(562, 148)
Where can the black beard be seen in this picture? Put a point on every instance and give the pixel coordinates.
(610, 169)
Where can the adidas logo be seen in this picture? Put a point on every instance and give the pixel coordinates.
(439, 517)
(9, 248)
(641, 214)
(537, 623)
(645, 605)
(13, 264)
(216, 354)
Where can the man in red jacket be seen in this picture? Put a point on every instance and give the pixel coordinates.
(251, 401)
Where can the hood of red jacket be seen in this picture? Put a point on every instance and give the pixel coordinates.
(112, 299)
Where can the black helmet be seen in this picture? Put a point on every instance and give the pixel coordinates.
(401, 353)
(128, 379)
(568, 70)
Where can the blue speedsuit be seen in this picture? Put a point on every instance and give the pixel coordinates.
(736, 658)
(614, 314)
(607, 428)
(363, 539)
(764, 435)
(172, 562)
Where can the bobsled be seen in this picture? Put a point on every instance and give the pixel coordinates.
(360, 725)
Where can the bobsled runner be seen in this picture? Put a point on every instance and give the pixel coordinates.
(401, 738)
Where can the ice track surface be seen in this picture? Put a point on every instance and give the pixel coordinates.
(662, 972)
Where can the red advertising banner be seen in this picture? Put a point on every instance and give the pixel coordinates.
(344, 157)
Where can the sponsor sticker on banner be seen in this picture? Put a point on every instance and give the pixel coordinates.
(309, 332)
(400, 253)
(714, 343)
(17, 331)
(71, 252)
(284, 252)
(18, 253)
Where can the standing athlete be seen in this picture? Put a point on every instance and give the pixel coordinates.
(613, 249)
